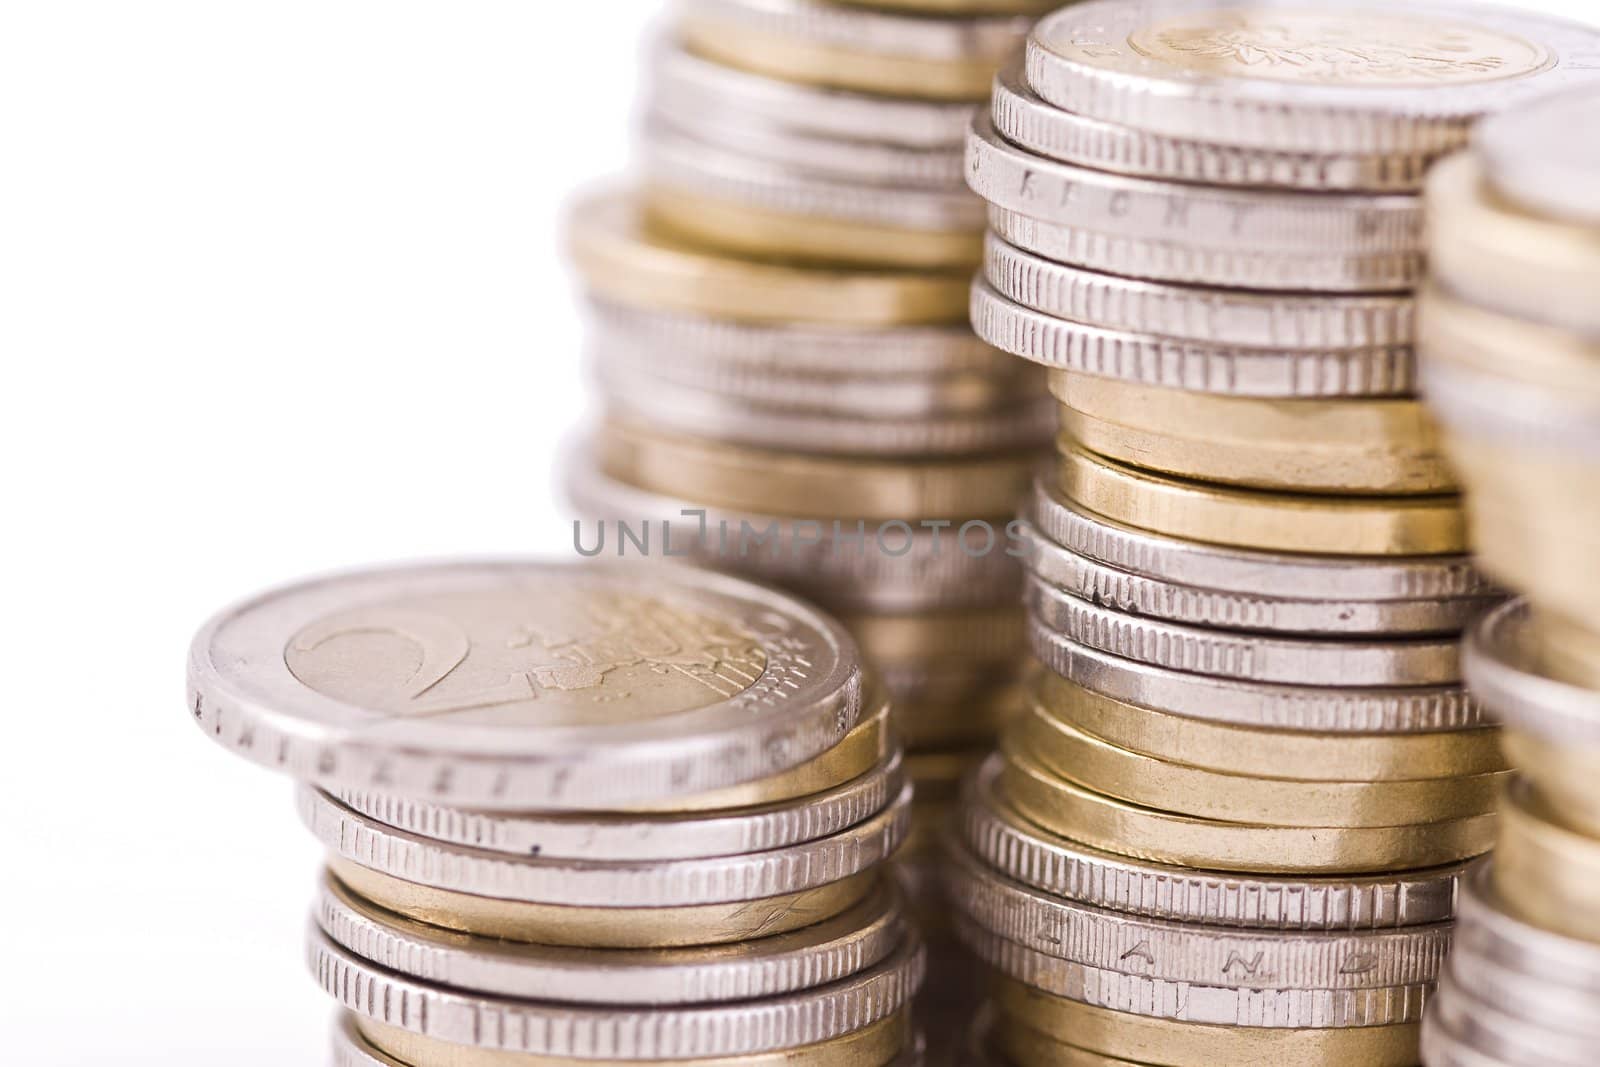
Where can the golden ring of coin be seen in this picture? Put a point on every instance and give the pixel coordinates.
(976, 634)
(838, 68)
(1487, 249)
(554, 924)
(743, 230)
(1370, 447)
(1143, 1039)
(1023, 1047)
(1478, 339)
(1569, 650)
(778, 483)
(1150, 782)
(1246, 518)
(1545, 872)
(1267, 753)
(1125, 829)
(1564, 773)
(870, 1046)
(624, 260)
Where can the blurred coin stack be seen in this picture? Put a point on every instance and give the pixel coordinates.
(1510, 340)
(779, 336)
(1228, 826)
(578, 814)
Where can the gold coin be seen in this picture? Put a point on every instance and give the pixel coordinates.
(1545, 872)
(867, 744)
(1312, 446)
(1148, 1040)
(1116, 826)
(955, 78)
(752, 231)
(1098, 765)
(1246, 518)
(1266, 753)
(1564, 773)
(1023, 1047)
(1477, 339)
(624, 260)
(554, 924)
(895, 493)
(871, 1046)
(1492, 252)
(970, 635)
(1570, 650)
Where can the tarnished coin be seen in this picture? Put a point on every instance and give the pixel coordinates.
(525, 685)
(1533, 155)
(1306, 76)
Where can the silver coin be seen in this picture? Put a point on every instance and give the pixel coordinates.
(782, 349)
(1020, 116)
(682, 83)
(1221, 957)
(595, 883)
(1198, 366)
(861, 29)
(1301, 76)
(629, 394)
(1492, 1031)
(1534, 154)
(1342, 594)
(617, 1032)
(1490, 932)
(1312, 708)
(1297, 322)
(826, 952)
(1033, 857)
(1413, 661)
(1508, 411)
(640, 837)
(1443, 1047)
(837, 569)
(495, 684)
(1160, 998)
(1501, 665)
(1537, 1002)
(670, 160)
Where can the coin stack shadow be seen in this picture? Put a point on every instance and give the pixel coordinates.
(1228, 826)
(630, 820)
(791, 389)
(1510, 345)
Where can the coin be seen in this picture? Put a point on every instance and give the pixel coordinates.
(1490, 933)
(1001, 837)
(1196, 366)
(1502, 662)
(1409, 79)
(1344, 446)
(1494, 1031)
(1113, 825)
(1018, 1046)
(1532, 158)
(1544, 871)
(1465, 337)
(496, 684)
(621, 259)
(1370, 526)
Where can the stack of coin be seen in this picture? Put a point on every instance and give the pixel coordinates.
(1248, 574)
(779, 336)
(1510, 339)
(580, 814)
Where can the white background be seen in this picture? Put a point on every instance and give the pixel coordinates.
(279, 292)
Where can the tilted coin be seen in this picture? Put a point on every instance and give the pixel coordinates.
(816, 955)
(1112, 825)
(843, 568)
(1493, 1030)
(682, 83)
(1545, 871)
(1306, 708)
(1345, 446)
(1246, 657)
(1022, 117)
(1259, 752)
(1303, 76)
(1032, 856)
(1146, 1039)
(1501, 662)
(606, 883)
(622, 260)
(1284, 522)
(1532, 157)
(1303, 323)
(641, 837)
(1242, 589)
(517, 685)
(1506, 259)
(1197, 366)
(618, 1032)
(886, 52)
